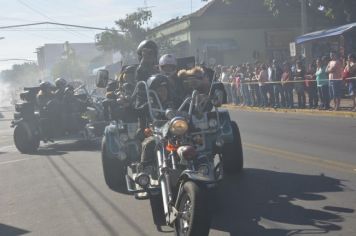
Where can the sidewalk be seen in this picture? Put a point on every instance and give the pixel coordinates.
(344, 112)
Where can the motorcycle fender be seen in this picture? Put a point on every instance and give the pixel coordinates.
(111, 133)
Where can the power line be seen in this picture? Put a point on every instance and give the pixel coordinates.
(56, 23)
(44, 15)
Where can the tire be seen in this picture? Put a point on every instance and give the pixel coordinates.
(232, 154)
(25, 142)
(114, 170)
(193, 197)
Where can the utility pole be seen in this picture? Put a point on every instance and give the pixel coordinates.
(304, 17)
(304, 29)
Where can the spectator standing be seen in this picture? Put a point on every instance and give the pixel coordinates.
(262, 79)
(311, 86)
(225, 79)
(351, 80)
(287, 85)
(322, 83)
(334, 68)
(275, 75)
(244, 86)
(269, 87)
(299, 86)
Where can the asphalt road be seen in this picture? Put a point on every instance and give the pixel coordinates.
(299, 179)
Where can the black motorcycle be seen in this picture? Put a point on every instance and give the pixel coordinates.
(194, 146)
(78, 117)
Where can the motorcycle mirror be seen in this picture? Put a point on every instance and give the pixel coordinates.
(102, 78)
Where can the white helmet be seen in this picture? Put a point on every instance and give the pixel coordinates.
(168, 59)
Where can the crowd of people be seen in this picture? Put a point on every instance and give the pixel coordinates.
(318, 85)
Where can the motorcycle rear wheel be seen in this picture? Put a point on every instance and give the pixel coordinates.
(25, 142)
(194, 202)
(114, 170)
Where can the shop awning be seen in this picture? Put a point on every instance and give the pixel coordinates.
(325, 33)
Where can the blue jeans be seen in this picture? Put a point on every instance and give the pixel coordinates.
(324, 96)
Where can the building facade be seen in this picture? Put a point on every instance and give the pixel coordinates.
(243, 31)
(51, 54)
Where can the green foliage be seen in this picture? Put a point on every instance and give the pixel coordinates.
(132, 33)
(21, 74)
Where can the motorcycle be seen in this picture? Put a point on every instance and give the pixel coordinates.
(194, 147)
(33, 124)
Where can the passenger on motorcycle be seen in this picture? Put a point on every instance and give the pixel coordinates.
(168, 67)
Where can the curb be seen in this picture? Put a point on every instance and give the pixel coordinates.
(348, 114)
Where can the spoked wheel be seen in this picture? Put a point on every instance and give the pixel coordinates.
(194, 216)
(24, 141)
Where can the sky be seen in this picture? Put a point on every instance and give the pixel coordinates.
(21, 43)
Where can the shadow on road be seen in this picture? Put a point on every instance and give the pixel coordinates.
(58, 149)
(243, 201)
(11, 231)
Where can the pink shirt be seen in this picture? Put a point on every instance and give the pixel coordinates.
(334, 69)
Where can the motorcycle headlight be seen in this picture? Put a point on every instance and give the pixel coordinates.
(178, 126)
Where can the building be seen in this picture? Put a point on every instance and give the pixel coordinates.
(233, 33)
(50, 54)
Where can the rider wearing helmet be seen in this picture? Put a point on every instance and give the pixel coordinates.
(159, 84)
(60, 87)
(147, 52)
(45, 94)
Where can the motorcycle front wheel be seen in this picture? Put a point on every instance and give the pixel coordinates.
(194, 215)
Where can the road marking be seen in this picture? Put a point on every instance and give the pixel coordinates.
(336, 165)
(13, 161)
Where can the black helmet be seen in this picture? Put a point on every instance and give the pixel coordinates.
(146, 44)
(156, 81)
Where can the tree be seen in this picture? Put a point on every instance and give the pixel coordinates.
(339, 11)
(132, 32)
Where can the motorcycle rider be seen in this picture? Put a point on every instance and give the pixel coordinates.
(159, 84)
(60, 87)
(45, 94)
(147, 52)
